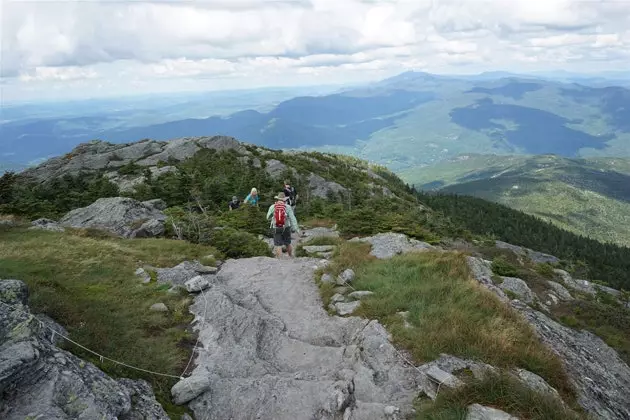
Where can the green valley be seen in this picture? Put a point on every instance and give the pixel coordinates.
(587, 196)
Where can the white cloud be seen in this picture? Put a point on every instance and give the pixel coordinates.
(41, 74)
(256, 42)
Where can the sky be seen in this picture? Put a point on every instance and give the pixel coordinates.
(66, 49)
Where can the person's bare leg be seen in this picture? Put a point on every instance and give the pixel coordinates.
(279, 252)
(289, 250)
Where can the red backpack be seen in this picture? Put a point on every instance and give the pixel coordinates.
(280, 214)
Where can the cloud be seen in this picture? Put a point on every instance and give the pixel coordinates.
(58, 74)
(257, 40)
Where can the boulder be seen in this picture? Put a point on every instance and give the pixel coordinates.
(46, 224)
(360, 294)
(144, 405)
(480, 412)
(197, 284)
(178, 149)
(337, 297)
(190, 388)
(518, 287)
(143, 275)
(118, 215)
(346, 276)
(317, 249)
(128, 183)
(275, 168)
(125, 183)
(440, 373)
(222, 143)
(182, 272)
(536, 383)
(327, 278)
(149, 229)
(320, 232)
(560, 291)
(319, 187)
(157, 204)
(347, 308)
(341, 290)
(482, 272)
(387, 245)
(159, 307)
(534, 256)
(65, 386)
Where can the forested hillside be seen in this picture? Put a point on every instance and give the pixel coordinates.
(588, 258)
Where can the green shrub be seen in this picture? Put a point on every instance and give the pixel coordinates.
(237, 244)
(545, 270)
(130, 169)
(502, 267)
(193, 227)
(247, 218)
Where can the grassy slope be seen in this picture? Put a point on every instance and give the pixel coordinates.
(450, 313)
(88, 285)
(586, 196)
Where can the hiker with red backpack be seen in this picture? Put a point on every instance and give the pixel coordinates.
(283, 223)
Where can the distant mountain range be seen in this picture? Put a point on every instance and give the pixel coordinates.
(587, 196)
(402, 122)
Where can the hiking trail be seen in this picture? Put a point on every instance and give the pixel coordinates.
(269, 350)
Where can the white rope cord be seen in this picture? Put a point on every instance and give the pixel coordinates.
(100, 356)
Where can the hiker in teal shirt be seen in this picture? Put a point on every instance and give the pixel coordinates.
(252, 198)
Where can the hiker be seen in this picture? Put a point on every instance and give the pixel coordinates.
(290, 193)
(252, 197)
(234, 204)
(283, 222)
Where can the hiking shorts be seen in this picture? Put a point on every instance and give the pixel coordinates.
(282, 236)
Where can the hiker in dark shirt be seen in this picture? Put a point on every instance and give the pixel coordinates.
(234, 204)
(290, 193)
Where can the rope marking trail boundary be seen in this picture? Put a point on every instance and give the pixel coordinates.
(100, 356)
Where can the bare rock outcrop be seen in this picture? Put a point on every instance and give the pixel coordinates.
(104, 156)
(319, 187)
(535, 256)
(121, 216)
(46, 224)
(39, 380)
(387, 245)
(270, 351)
